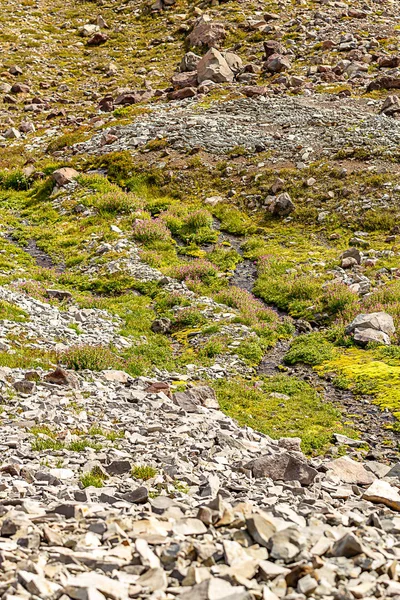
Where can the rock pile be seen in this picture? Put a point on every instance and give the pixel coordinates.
(189, 504)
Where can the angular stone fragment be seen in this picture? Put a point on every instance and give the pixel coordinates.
(349, 545)
(381, 492)
(213, 67)
(138, 496)
(286, 544)
(153, 580)
(282, 467)
(350, 471)
(189, 526)
(79, 587)
(25, 386)
(62, 377)
(260, 529)
(281, 206)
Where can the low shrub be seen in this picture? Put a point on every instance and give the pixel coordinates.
(148, 231)
(310, 349)
(94, 358)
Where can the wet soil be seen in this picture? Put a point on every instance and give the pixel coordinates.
(41, 258)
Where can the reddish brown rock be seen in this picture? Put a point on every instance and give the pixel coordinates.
(62, 377)
(187, 92)
(386, 82)
(276, 63)
(252, 91)
(206, 33)
(388, 62)
(184, 80)
(159, 386)
(98, 39)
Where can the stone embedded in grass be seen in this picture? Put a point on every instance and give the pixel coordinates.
(64, 175)
(281, 206)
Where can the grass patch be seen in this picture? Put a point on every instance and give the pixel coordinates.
(93, 358)
(303, 414)
(94, 478)
(10, 312)
(143, 472)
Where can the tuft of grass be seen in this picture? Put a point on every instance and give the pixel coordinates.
(94, 358)
(41, 444)
(143, 472)
(81, 445)
(112, 436)
(95, 478)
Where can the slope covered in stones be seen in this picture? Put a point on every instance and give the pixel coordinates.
(199, 315)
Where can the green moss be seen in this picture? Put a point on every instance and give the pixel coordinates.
(375, 372)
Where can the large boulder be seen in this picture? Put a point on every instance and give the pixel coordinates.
(380, 321)
(281, 206)
(189, 62)
(213, 67)
(282, 467)
(373, 327)
(206, 33)
(64, 175)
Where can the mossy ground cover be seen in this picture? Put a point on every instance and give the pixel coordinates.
(283, 406)
(369, 371)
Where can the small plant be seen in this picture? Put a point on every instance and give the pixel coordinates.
(199, 269)
(143, 472)
(109, 435)
(75, 327)
(94, 478)
(94, 358)
(81, 445)
(181, 486)
(189, 317)
(14, 180)
(41, 444)
(148, 231)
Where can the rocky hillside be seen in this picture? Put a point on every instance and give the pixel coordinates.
(199, 300)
